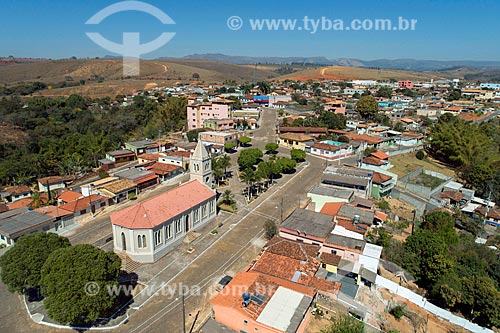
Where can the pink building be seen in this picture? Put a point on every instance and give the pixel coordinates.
(405, 84)
(198, 113)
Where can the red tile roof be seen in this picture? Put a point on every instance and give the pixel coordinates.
(18, 189)
(26, 202)
(453, 195)
(325, 146)
(331, 208)
(358, 137)
(53, 211)
(149, 157)
(372, 160)
(163, 168)
(157, 210)
(82, 203)
(380, 155)
(329, 258)
(68, 196)
(51, 180)
(179, 153)
(380, 178)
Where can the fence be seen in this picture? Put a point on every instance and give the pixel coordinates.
(423, 303)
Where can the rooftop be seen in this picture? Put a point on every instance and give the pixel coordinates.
(13, 223)
(332, 192)
(118, 186)
(365, 216)
(155, 211)
(285, 310)
(309, 222)
(345, 242)
(331, 208)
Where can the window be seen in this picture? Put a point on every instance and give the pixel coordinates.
(334, 251)
(204, 210)
(212, 206)
(83, 212)
(178, 226)
(157, 235)
(139, 241)
(144, 244)
(196, 214)
(245, 322)
(168, 232)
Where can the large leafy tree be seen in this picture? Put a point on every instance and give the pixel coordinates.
(367, 106)
(286, 165)
(298, 155)
(66, 277)
(249, 157)
(271, 147)
(21, 264)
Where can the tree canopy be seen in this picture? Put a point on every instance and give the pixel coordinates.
(249, 157)
(367, 106)
(298, 155)
(66, 276)
(271, 147)
(22, 263)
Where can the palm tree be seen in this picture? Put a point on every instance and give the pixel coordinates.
(225, 162)
(248, 176)
(227, 197)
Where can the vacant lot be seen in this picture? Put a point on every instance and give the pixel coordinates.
(406, 163)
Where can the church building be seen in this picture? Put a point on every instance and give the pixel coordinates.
(148, 230)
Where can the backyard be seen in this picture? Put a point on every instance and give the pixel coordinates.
(406, 163)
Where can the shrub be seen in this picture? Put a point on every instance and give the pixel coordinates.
(398, 312)
(420, 155)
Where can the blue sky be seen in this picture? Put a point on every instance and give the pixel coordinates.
(446, 30)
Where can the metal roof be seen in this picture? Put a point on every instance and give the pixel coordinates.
(285, 310)
(309, 222)
(16, 224)
(332, 192)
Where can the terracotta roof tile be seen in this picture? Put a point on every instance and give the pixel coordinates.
(163, 207)
(372, 160)
(380, 178)
(331, 208)
(380, 155)
(68, 196)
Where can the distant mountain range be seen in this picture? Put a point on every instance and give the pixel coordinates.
(403, 64)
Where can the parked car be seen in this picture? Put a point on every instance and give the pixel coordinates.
(223, 282)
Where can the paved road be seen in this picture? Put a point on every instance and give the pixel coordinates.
(228, 255)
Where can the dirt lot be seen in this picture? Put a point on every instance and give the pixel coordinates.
(416, 319)
(406, 163)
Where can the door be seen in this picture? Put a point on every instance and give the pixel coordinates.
(124, 242)
(186, 229)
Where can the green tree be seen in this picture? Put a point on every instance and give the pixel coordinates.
(367, 106)
(244, 140)
(344, 323)
(270, 229)
(286, 165)
(228, 198)
(385, 92)
(229, 146)
(420, 155)
(264, 87)
(22, 263)
(193, 134)
(298, 155)
(248, 176)
(481, 300)
(66, 277)
(271, 147)
(442, 224)
(249, 157)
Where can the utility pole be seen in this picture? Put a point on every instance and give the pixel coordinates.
(183, 314)
(281, 210)
(486, 211)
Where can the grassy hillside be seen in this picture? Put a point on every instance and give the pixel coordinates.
(350, 73)
(104, 76)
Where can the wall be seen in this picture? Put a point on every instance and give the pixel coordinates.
(418, 203)
(423, 303)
